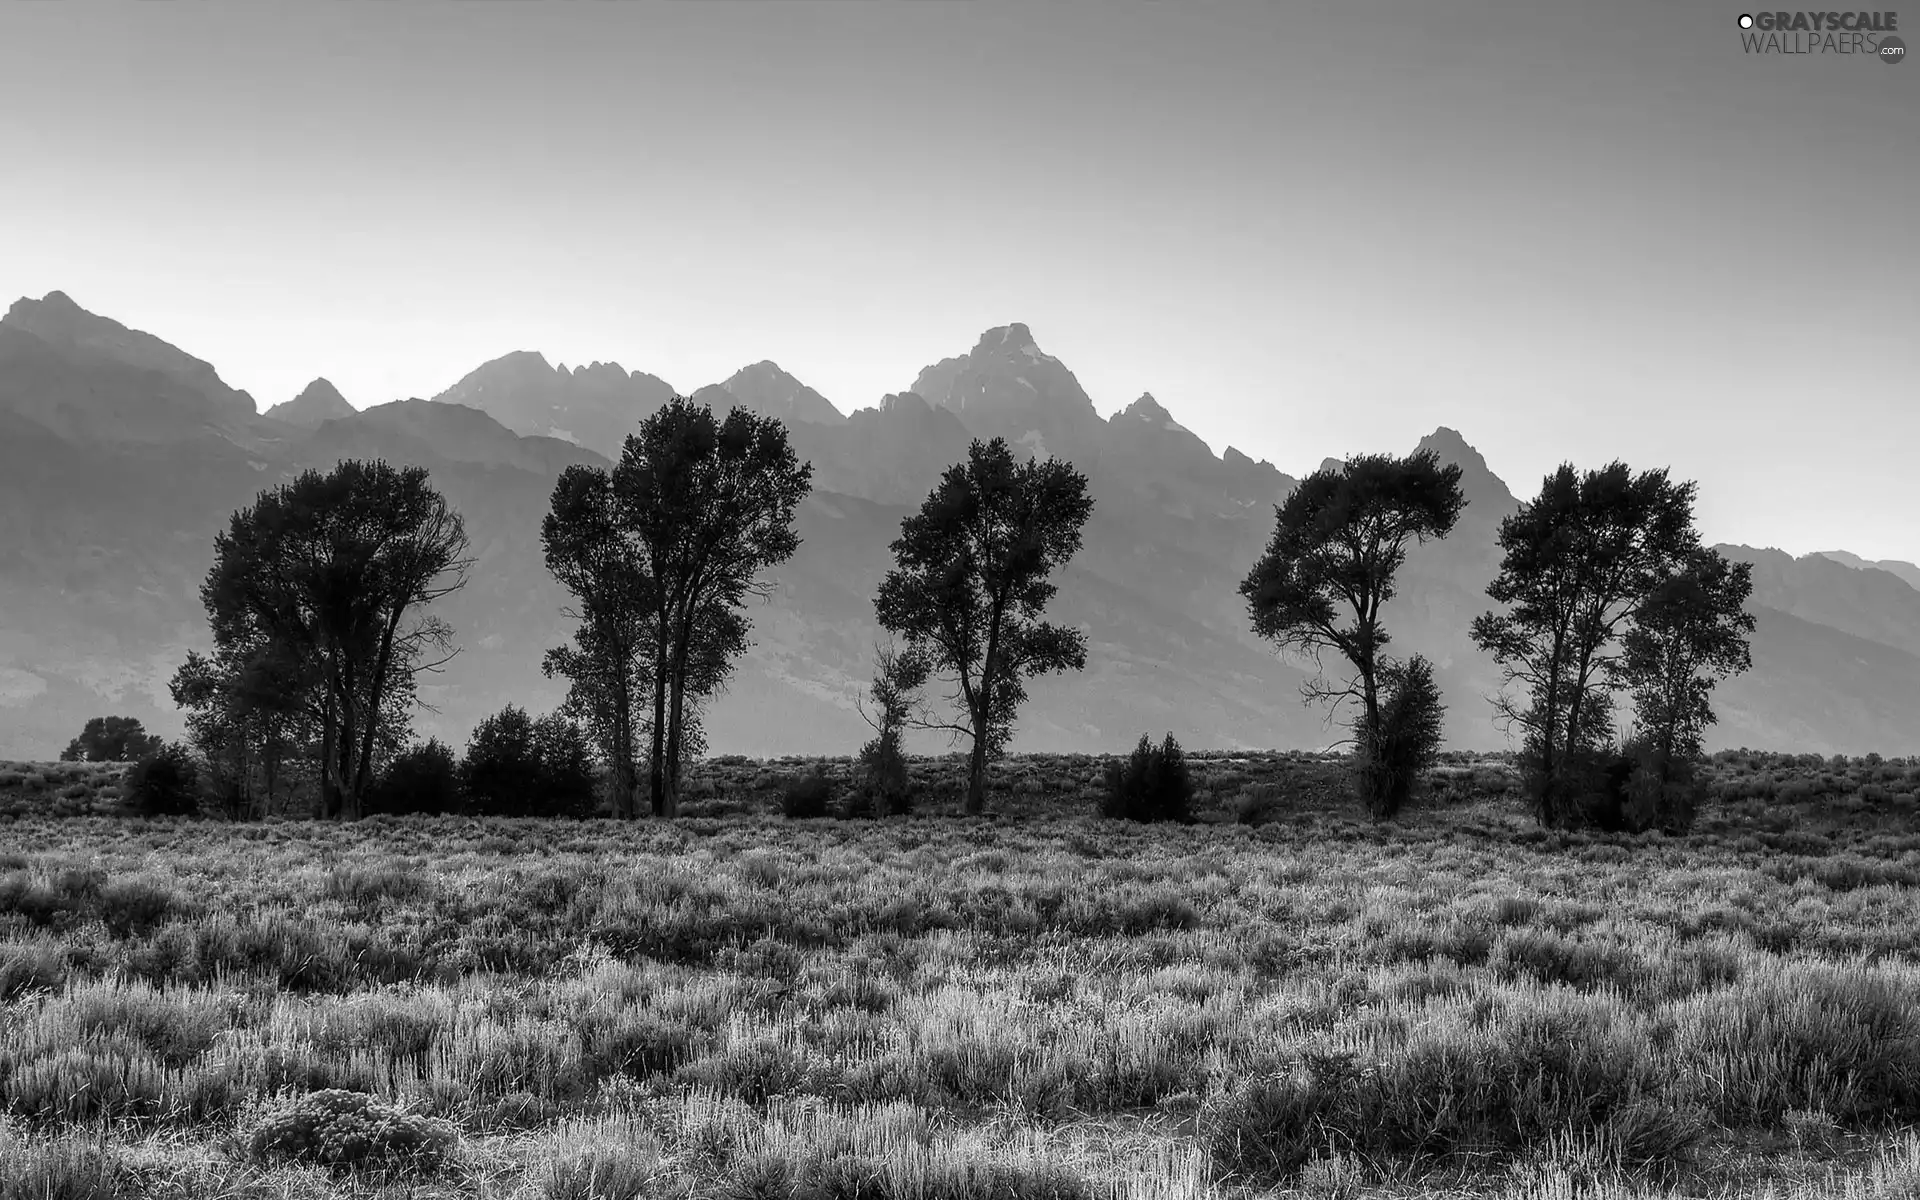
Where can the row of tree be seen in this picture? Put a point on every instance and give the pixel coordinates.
(1606, 588)
(319, 594)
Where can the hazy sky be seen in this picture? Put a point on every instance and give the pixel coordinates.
(1572, 232)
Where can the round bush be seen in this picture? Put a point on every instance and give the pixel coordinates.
(165, 783)
(344, 1130)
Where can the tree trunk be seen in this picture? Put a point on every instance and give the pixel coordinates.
(329, 734)
(977, 769)
(656, 774)
(622, 749)
(676, 718)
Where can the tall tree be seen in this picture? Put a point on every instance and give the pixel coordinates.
(332, 572)
(1340, 538)
(1690, 632)
(971, 585)
(711, 502)
(592, 552)
(1580, 561)
(111, 739)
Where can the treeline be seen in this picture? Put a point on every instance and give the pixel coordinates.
(319, 596)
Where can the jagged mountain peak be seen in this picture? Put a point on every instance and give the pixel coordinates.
(1146, 408)
(319, 401)
(1486, 492)
(767, 388)
(1006, 386)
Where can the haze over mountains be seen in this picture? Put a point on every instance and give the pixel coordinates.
(121, 456)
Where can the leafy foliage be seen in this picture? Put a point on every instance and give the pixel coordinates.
(884, 784)
(111, 739)
(516, 766)
(807, 796)
(1689, 632)
(711, 504)
(1150, 785)
(1580, 562)
(165, 783)
(1340, 539)
(610, 662)
(1390, 758)
(309, 595)
(424, 778)
(971, 584)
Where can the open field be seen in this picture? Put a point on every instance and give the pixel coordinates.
(1043, 1004)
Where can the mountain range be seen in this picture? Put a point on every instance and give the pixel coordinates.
(122, 455)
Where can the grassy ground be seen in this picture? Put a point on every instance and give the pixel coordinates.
(1043, 1004)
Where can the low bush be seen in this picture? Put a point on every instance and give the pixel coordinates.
(807, 796)
(1390, 761)
(165, 783)
(343, 1131)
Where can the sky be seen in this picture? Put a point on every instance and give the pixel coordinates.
(1572, 232)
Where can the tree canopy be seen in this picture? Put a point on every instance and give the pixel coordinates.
(1340, 539)
(699, 506)
(972, 582)
(1582, 562)
(327, 578)
(111, 739)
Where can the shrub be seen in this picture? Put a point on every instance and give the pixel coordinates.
(132, 907)
(1638, 787)
(421, 779)
(165, 783)
(885, 787)
(345, 1130)
(1389, 763)
(1152, 784)
(28, 966)
(806, 796)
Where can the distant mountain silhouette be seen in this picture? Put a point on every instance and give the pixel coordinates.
(765, 388)
(316, 404)
(1905, 570)
(594, 406)
(121, 456)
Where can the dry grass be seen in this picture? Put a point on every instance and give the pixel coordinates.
(1045, 1004)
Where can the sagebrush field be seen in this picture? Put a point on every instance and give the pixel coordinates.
(1043, 1003)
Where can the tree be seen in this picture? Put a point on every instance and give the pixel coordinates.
(518, 767)
(897, 678)
(421, 779)
(971, 584)
(245, 716)
(1690, 632)
(711, 503)
(322, 575)
(111, 739)
(1580, 562)
(1340, 538)
(593, 554)
(1152, 784)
